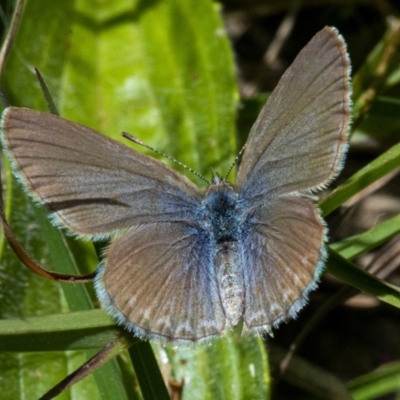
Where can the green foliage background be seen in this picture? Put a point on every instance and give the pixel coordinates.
(164, 71)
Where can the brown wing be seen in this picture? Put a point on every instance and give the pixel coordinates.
(283, 257)
(160, 282)
(92, 184)
(299, 138)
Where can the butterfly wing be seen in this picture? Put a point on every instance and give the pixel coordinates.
(298, 140)
(159, 281)
(296, 144)
(93, 185)
(284, 257)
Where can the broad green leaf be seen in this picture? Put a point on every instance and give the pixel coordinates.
(231, 369)
(112, 66)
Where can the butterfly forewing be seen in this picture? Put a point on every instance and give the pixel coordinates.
(298, 140)
(92, 184)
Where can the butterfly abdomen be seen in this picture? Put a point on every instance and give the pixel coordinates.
(230, 281)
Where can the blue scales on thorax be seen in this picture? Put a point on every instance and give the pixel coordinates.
(223, 216)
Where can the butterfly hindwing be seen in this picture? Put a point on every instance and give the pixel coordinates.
(160, 282)
(283, 256)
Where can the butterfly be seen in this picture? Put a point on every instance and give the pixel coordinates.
(187, 266)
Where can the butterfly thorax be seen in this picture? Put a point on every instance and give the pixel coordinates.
(222, 215)
(221, 212)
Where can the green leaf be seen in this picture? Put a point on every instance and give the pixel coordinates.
(354, 246)
(231, 369)
(376, 169)
(376, 384)
(163, 71)
(114, 66)
(57, 332)
(147, 371)
(362, 280)
(377, 74)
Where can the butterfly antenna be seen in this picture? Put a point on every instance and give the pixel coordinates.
(235, 162)
(134, 139)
